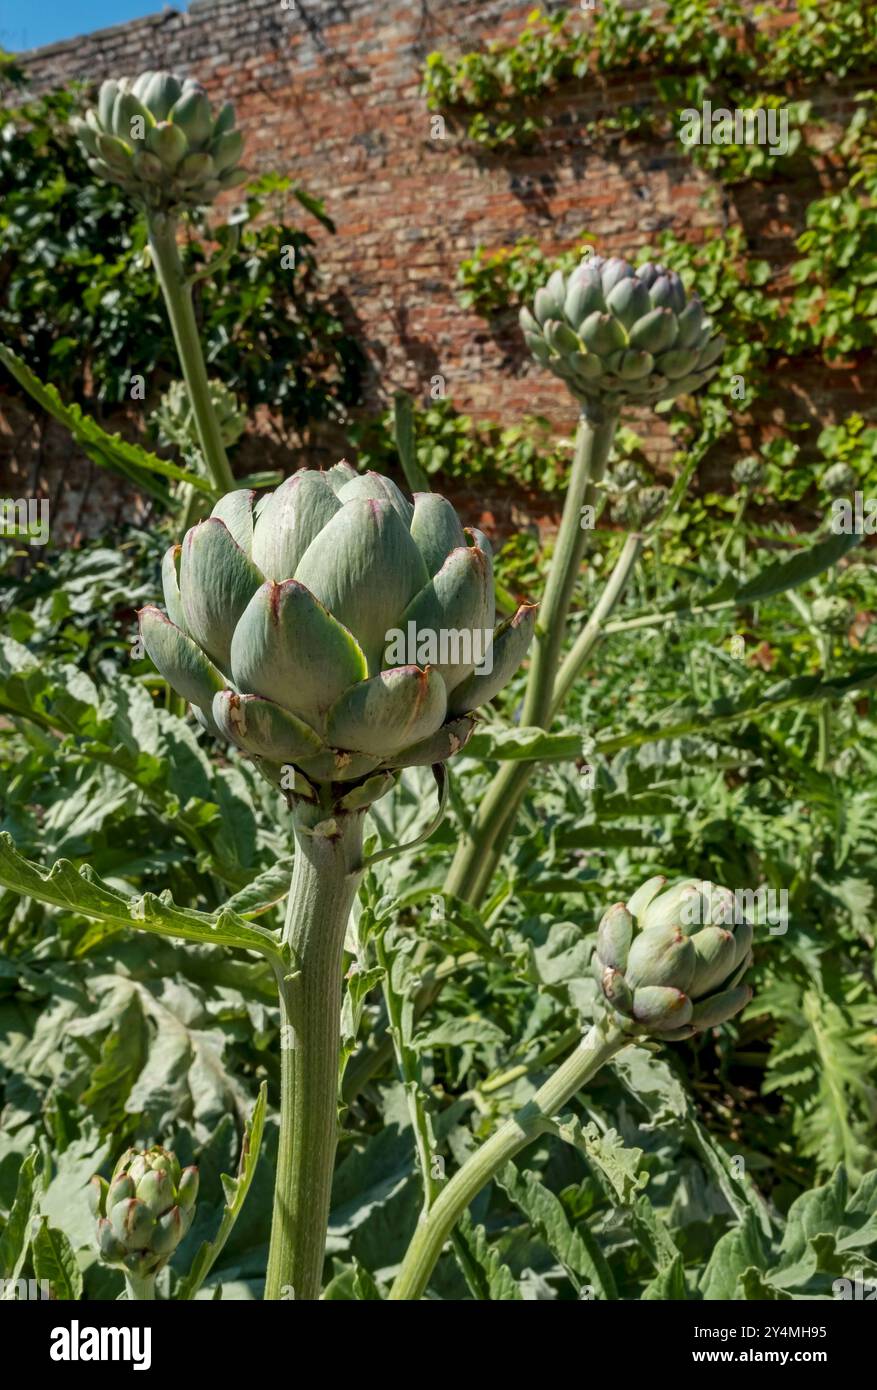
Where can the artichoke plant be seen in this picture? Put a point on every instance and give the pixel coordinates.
(671, 963)
(332, 627)
(174, 419)
(158, 137)
(621, 335)
(144, 1211)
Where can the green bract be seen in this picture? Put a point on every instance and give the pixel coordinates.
(619, 335)
(671, 963)
(157, 136)
(144, 1211)
(335, 628)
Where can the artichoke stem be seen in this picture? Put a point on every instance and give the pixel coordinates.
(598, 1046)
(140, 1288)
(178, 300)
(325, 877)
(476, 856)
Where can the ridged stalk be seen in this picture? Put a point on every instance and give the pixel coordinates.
(598, 1047)
(178, 300)
(467, 875)
(140, 1290)
(324, 881)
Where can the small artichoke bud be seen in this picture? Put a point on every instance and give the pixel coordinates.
(748, 472)
(672, 961)
(832, 613)
(159, 139)
(144, 1211)
(839, 480)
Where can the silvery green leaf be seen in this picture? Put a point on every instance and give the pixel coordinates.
(264, 729)
(289, 520)
(288, 648)
(366, 569)
(436, 529)
(180, 660)
(375, 485)
(217, 581)
(382, 715)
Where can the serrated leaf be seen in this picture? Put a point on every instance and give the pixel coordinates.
(575, 1247)
(65, 886)
(106, 450)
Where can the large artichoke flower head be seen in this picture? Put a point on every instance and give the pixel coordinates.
(334, 628)
(144, 1211)
(158, 137)
(622, 335)
(671, 960)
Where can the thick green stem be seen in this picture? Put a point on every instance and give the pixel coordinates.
(593, 443)
(601, 1044)
(574, 662)
(140, 1289)
(178, 300)
(472, 866)
(324, 881)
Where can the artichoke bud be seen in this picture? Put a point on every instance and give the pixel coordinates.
(748, 472)
(334, 632)
(683, 969)
(832, 613)
(614, 936)
(158, 138)
(145, 1210)
(652, 342)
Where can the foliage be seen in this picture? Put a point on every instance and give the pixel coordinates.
(75, 273)
(685, 47)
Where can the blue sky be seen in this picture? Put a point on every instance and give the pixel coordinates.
(46, 21)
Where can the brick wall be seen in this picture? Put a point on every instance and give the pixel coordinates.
(328, 91)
